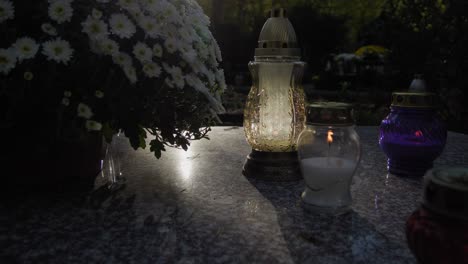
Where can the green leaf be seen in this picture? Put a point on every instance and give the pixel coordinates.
(134, 141)
(142, 142)
(185, 147)
(142, 138)
(157, 147)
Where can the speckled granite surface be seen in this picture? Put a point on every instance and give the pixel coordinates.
(196, 207)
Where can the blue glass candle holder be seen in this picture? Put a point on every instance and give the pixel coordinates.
(412, 136)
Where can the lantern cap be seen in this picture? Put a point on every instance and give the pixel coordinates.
(446, 191)
(330, 113)
(277, 37)
(416, 96)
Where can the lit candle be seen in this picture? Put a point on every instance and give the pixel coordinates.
(327, 178)
(329, 151)
(329, 140)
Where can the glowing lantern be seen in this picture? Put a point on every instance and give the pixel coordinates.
(274, 114)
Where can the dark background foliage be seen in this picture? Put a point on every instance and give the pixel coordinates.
(423, 36)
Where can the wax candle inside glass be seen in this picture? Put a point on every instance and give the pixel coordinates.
(327, 180)
(328, 157)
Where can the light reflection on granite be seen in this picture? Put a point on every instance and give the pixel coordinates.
(196, 207)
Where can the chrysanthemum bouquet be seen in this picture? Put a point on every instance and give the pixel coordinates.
(143, 67)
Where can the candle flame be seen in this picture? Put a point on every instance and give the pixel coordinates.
(329, 137)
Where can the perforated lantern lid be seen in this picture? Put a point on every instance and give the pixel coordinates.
(330, 114)
(416, 96)
(446, 191)
(277, 37)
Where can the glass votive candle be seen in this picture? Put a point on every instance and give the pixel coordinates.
(412, 135)
(329, 152)
(437, 232)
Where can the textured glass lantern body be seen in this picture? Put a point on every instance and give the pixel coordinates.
(328, 158)
(412, 138)
(275, 108)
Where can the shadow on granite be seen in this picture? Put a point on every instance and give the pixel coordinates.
(321, 238)
(103, 227)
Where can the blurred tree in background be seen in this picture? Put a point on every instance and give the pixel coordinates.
(322, 26)
(429, 37)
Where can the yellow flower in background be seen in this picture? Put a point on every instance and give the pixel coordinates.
(371, 49)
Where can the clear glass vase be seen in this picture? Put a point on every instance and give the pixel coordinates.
(111, 170)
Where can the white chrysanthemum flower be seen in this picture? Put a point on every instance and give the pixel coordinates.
(193, 80)
(28, 76)
(136, 14)
(170, 13)
(130, 72)
(188, 53)
(185, 35)
(122, 26)
(67, 93)
(168, 82)
(97, 14)
(109, 47)
(170, 31)
(7, 60)
(122, 59)
(26, 48)
(99, 94)
(179, 81)
(203, 52)
(65, 101)
(217, 51)
(204, 34)
(197, 66)
(142, 52)
(171, 45)
(198, 85)
(176, 74)
(92, 125)
(49, 29)
(84, 111)
(195, 21)
(167, 67)
(151, 6)
(150, 26)
(7, 10)
(60, 11)
(152, 69)
(157, 50)
(130, 5)
(95, 28)
(211, 78)
(180, 5)
(221, 79)
(57, 50)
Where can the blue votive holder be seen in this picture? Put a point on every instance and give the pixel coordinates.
(412, 136)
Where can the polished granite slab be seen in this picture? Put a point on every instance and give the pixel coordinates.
(196, 207)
